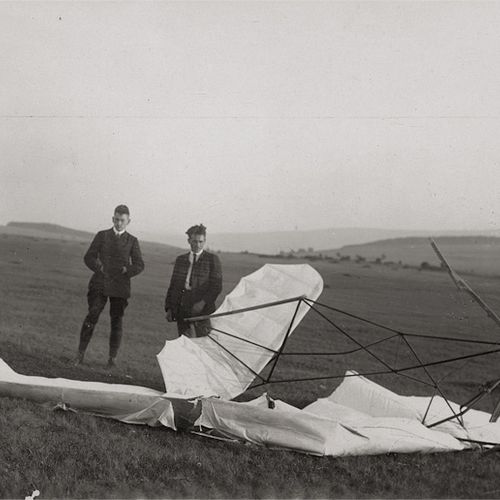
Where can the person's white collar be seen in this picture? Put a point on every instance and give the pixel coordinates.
(192, 254)
(118, 233)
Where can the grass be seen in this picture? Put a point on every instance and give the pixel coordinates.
(76, 456)
(68, 455)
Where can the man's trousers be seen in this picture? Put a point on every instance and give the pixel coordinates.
(201, 328)
(96, 302)
(197, 329)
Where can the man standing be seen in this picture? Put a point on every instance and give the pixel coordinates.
(195, 284)
(114, 256)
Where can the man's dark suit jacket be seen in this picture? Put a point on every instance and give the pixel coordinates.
(106, 256)
(206, 284)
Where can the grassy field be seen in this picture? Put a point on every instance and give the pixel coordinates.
(42, 297)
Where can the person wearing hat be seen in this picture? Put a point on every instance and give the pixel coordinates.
(114, 256)
(195, 284)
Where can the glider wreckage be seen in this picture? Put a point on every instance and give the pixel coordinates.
(249, 333)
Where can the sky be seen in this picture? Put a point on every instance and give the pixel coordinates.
(251, 116)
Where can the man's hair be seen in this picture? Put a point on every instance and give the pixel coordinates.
(122, 209)
(199, 229)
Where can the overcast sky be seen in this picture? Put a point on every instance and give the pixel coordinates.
(251, 116)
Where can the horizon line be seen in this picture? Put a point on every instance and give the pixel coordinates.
(296, 230)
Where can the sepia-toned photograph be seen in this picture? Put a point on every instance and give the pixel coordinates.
(249, 249)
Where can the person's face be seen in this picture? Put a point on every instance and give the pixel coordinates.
(120, 221)
(196, 242)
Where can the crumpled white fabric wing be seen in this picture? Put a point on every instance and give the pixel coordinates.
(365, 396)
(127, 403)
(326, 432)
(222, 365)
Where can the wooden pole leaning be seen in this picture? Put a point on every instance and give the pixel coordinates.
(245, 309)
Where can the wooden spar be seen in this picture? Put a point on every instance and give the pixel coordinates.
(245, 309)
(463, 285)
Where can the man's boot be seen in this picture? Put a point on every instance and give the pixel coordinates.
(114, 339)
(78, 359)
(85, 336)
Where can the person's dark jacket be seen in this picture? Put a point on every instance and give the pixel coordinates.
(206, 282)
(106, 257)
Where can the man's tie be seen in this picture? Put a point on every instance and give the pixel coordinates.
(192, 271)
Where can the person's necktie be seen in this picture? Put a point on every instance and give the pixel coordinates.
(192, 271)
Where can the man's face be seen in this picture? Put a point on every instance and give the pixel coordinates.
(196, 242)
(120, 221)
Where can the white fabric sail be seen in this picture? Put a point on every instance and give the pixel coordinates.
(328, 429)
(127, 403)
(358, 418)
(225, 364)
(365, 396)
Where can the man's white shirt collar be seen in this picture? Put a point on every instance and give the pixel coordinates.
(118, 233)
(192, 254)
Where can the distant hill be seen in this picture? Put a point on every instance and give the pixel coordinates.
(55, 231)
(45, 229)
(274, 242)
(327, 241)
(478, 254)
(285, 241)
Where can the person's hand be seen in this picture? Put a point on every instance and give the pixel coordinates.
(124, 269)
(170, 318)
(198, 307)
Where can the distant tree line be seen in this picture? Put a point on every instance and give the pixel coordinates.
(339, 257)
